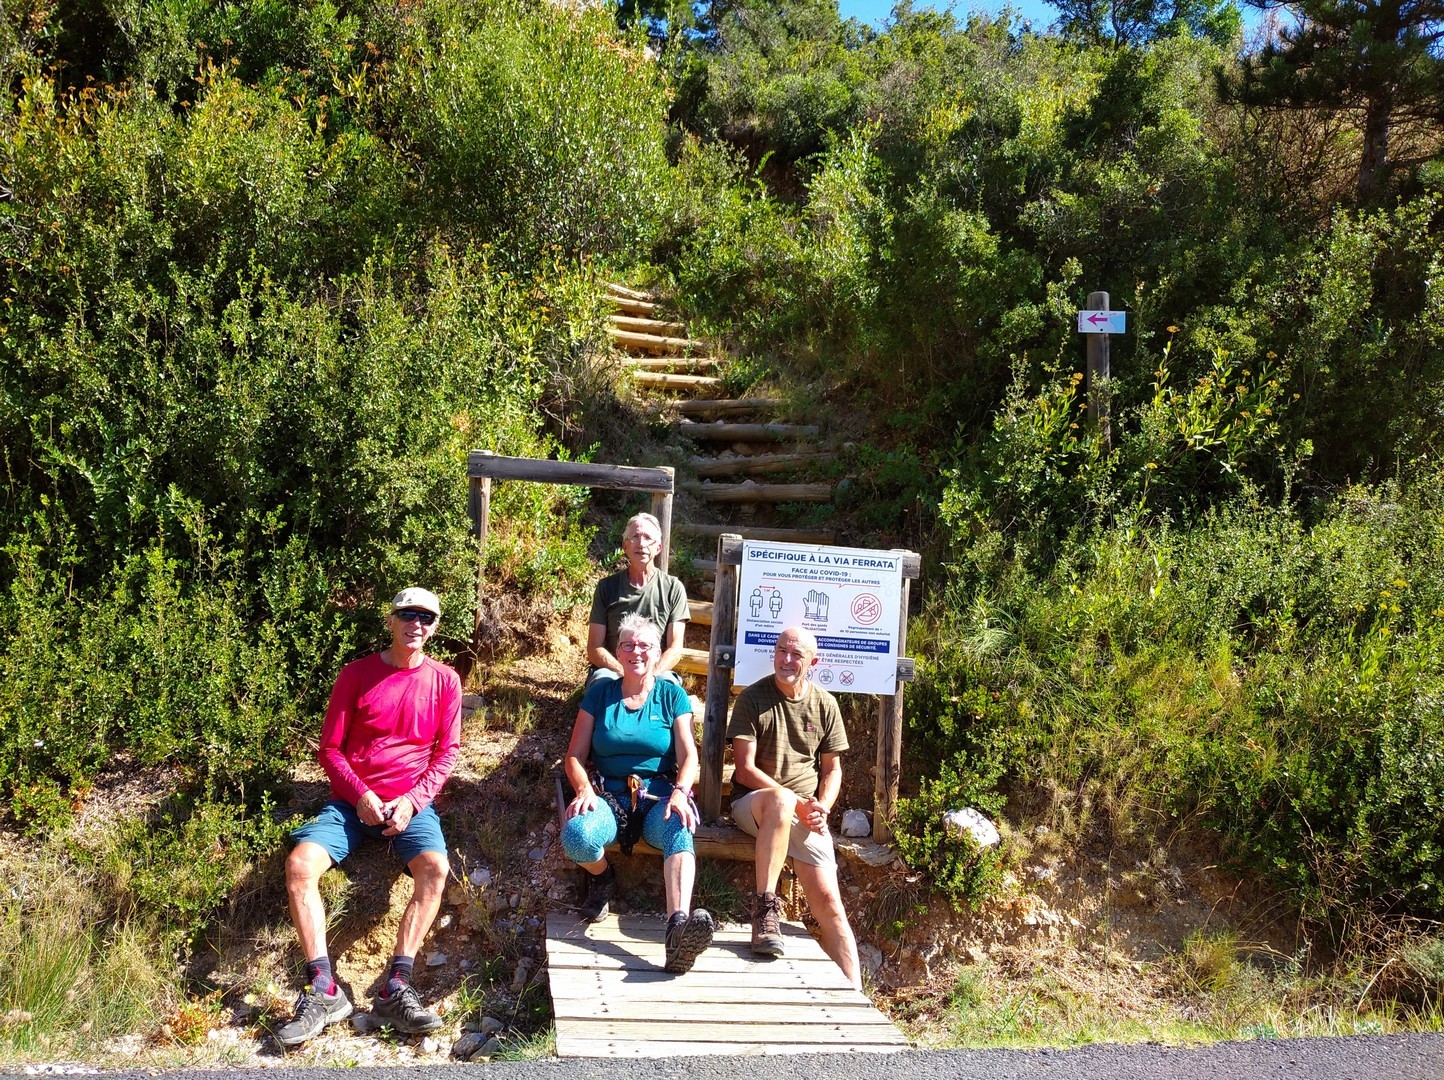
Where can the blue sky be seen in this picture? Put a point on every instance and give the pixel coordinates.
(1041, 14)
(875, 11)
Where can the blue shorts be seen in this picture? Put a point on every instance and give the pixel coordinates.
(339, 830)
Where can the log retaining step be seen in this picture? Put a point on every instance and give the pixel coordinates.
(657, 363)
(647, 326)
(658, 380)
(627, 293)
(656, 342)
(727, 406)
(632, 307)
(759, 464)
(747, 432)
(761, 493)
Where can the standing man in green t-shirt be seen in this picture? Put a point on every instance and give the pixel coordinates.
(787, 743)
(642, 589)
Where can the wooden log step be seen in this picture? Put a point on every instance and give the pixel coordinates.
(660, 363)
(759, 464)
(656, 342)
(657, 380)
(700, 612)
(716, 841)
(633, 307)
(693, 662)
(727, 406)
(761, 493)
(747, 432)
(647, 326)
(749, 532)
(628, 293)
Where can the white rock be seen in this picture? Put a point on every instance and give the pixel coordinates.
(444, 923)
(480, 877)
(855, 823)
(870, 956)
(363, 1022)
(973, 823)
(437, 959)
(430, 1045)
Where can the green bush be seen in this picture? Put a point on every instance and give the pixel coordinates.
(1272, 678)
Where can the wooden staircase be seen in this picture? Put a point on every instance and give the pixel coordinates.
(750, 463)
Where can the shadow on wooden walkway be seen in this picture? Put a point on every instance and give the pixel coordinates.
(611, 997)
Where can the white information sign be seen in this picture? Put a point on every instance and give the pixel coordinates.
(1102, 322)
(850, 598)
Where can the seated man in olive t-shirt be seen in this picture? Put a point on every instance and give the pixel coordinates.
(642, 589)
(787, 743)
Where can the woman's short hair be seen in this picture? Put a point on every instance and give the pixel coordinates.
(639, 626)
(642, 519)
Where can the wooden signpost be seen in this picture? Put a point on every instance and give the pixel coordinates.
(1100, 323)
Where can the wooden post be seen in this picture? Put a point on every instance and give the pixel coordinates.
(662, 511)
(889, 741)
(484, 466)
(719, 677)
(478, 504)
(1098, 375)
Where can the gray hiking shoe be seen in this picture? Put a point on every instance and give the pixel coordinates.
(687, 936)
(600, 889)
(404, 1012)
(315, 1012)
(766, 924)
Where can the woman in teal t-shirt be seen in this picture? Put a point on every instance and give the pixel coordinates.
(637, 733)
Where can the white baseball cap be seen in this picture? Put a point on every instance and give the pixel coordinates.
(421, 599)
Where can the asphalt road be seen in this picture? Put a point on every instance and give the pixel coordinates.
(1385, 1057)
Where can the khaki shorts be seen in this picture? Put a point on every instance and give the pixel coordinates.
(804, 845)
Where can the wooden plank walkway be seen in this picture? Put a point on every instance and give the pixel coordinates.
(611, 997)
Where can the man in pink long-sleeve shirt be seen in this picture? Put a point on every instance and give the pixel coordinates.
(390, 738)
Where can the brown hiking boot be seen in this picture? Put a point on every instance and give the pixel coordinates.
(766, 928)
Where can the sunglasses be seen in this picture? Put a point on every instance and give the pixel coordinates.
(425, 618)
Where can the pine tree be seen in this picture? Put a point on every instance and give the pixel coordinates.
(1379, 59)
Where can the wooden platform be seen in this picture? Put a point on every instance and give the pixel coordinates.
(611, 997)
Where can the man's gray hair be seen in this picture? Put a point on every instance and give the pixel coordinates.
(639, 626)
(642, 519)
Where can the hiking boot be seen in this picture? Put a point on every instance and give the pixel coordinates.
(600, 888)
(315, 1012)
(766, 924)
(403, 1011)
(687, 936)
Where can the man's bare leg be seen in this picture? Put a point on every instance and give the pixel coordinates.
(429, 871)
(819, 885)
(773, 809)
(304, 867)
